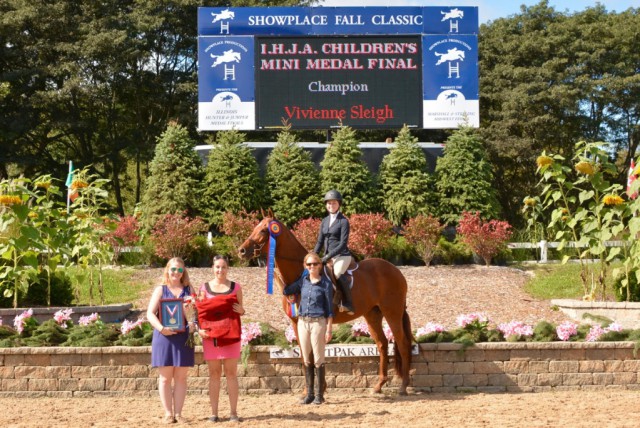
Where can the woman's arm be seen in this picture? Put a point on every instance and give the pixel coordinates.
(152, 310)
(237, 307)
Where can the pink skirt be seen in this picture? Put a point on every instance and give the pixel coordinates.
(212, 352)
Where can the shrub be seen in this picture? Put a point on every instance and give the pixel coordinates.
(486, 239)
(370, 234)
(620, 289)
(173, 232)
(238, 227)
(451, 253)
(126, 234)
(423, 232)
(306, 230)
(61, 292)
(200, 254)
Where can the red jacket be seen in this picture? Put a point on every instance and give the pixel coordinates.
(217, 317)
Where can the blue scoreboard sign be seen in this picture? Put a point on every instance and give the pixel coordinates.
(319, 68)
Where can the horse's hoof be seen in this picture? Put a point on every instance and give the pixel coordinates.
(377, 390)
(403, 393)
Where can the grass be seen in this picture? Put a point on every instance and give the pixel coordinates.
(558, 281)
(118, 286)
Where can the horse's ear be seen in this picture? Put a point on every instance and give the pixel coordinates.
(270, 213)
(262, 212)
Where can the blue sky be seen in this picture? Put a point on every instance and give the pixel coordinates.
(493, 9)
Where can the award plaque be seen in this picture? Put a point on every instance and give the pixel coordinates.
(172, 314)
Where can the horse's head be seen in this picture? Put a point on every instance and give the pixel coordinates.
(256, 243)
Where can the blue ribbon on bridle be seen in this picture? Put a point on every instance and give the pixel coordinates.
(274, 230)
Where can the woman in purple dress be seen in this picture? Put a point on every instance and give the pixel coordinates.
(169, 350)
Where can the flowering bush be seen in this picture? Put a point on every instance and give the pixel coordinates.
(63, 317)
(128, 326)
(597, 331)
(86, 320)
(485, 239)
(237, 226)
(361, 329)
(306, 230)
(370, 234)
(429, 328)
(515, 330)
(290, 334)
(25, 322)
(566, 330)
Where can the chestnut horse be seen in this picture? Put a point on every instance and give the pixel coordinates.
(379, 291)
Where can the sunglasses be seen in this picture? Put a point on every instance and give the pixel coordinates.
(175, 269)
(314, 264)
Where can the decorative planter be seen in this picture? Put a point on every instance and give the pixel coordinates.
(627, 314)
(108, 313)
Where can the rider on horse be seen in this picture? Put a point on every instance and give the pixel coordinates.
(333, 238)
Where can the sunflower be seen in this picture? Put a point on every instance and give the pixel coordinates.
(612, 200)
(544, 161)
(585, 168)
(9, 200)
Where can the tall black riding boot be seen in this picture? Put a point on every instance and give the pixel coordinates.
(347, 306)
(308, 376)
(320, 385)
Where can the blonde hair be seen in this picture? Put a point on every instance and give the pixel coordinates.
(184, 279)
(312, 254)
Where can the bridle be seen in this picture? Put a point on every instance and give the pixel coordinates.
(257, 248)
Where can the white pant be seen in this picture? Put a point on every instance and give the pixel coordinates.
(340, 265)
(311, 333)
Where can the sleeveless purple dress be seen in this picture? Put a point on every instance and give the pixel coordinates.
(172, 350)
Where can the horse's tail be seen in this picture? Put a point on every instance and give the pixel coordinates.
(399, 364)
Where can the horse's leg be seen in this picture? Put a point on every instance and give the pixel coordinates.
(374, 321)
(400, 325)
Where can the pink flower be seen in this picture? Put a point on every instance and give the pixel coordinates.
(360, 328)
(597, 331)
(475, 317)
(62, 316)
(290, 334)
(127, 325)
(20, 320)
(88, 319)
(566, 330)
(515, 328)
(250, 331)
(429, 328)
(387, 332)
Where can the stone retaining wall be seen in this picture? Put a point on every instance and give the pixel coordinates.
(486, 367)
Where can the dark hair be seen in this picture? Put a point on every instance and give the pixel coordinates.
(221, 257)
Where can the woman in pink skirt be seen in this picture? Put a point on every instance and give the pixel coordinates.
(222, 352)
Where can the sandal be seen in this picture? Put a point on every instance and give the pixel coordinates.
(234, 418)
(214, 419)
(168, 419)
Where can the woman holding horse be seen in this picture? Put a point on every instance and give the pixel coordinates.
(219, 310)
(169, 350)
(333, 238)
(314, 324)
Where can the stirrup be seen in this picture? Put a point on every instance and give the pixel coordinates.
(343, 308)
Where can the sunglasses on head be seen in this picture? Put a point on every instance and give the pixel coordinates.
(176, 269)
(314, 264)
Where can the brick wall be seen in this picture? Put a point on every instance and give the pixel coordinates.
(486, 367)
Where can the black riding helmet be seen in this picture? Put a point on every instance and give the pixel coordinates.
(333, 195)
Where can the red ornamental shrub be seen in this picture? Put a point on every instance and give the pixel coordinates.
(423, 233)
(124, 235)
(173, 232)
(485, 239)
(370, 234)
(238, 226)
(306, 230)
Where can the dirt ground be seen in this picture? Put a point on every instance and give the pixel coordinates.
(547, 409)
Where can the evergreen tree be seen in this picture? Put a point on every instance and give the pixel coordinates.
(344, 170)
(293, 181)
(173, 185)
(232, 181)
(464, 177)
(404, 180)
